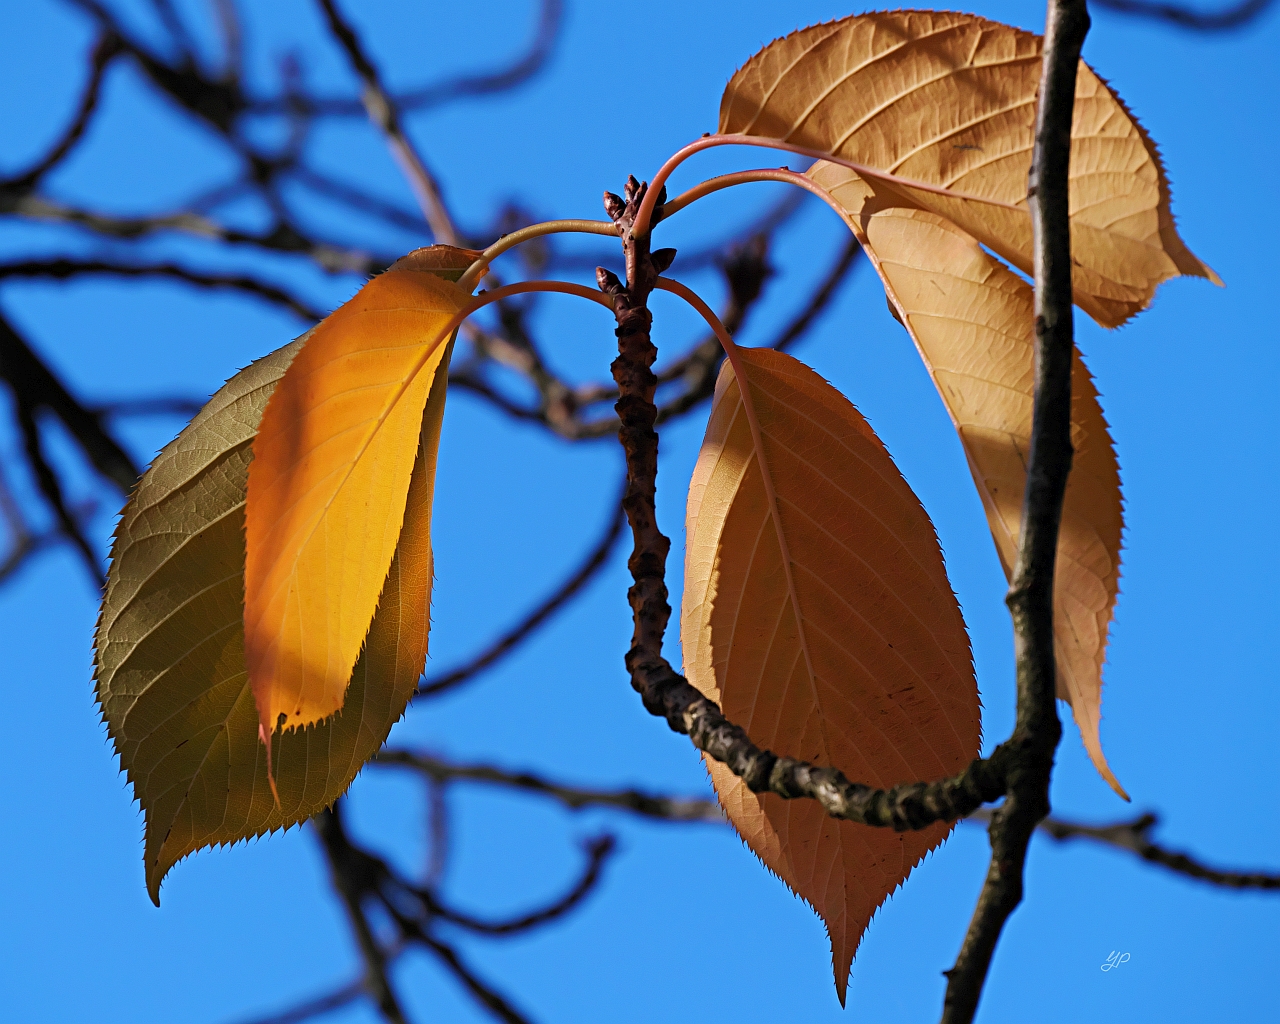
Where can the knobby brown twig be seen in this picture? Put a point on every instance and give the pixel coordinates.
(664, 691)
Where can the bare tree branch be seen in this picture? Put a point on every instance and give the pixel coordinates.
(598, 851)
(665, 808)
(51, 489)
(104, 51)
(525, 67)
(506, 643)
(283, 238)
(63, 269)
(483, 994)
(1225, 19)
(385, 116)
(1134, 836)
(1037, 730)
(318, 1006)
(356, 875)
(34, 383)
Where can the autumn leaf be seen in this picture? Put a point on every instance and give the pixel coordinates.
(937, 109)
(817, 612)
(327, 489)
(170, 669)
(972, 321)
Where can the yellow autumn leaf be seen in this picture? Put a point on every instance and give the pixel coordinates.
(938, 110)
(327, 489)
(972, 321)
(817, 612)
(170, 670)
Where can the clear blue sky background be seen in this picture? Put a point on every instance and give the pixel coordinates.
(686, 926)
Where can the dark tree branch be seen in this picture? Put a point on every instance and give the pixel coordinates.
(1227, 18)
(529, 64)
(385, 115)
(385, 210)
(506, 643)
(664, 691)
(104, 51)
(355, 876)
(34, 383)
(219, 103)
(163, 406)
(284, 238)
(1134, 836)
(1030, 599)
(50, 488)
(318, 1006)
(63, 269)
(598, 851)
(664, 808)
(483, 994)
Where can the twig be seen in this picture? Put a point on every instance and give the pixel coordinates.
(595, 559)
(1134, 836)
(104, 51)
(483, 994)
(36, 384)
(318, 1006)
(664, 691)
(386, 117)
(521, 70)
(665, 808)
(50, 488)
(355, 875)
(1185, 17)
(1037, 730)
(598, 851)
(62, 269)
(282, 238)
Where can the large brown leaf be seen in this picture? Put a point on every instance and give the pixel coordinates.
(972, 322)
(817, 612)
(939, 110)
(170, 668)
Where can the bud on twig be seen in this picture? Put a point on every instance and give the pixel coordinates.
(608, 281)
(613, 205)
(662, 260)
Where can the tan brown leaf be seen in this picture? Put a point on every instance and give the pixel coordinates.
(817, 612)
(170, 669)
(972, 319)
(942, 106)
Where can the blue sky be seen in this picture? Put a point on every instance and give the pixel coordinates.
(686, 924)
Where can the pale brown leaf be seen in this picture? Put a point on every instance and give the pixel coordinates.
(972, 321)
(938, 108)
(817, 612)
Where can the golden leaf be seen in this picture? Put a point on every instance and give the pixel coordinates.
(972, 321)
(327, 490)
(938, 109)
(170, 669)
(817, 612)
